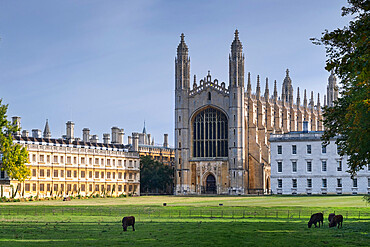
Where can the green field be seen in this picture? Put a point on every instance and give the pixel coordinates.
(185, 221)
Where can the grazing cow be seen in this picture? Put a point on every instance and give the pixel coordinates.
(319, 217)
(128, 221)
(331, 216)
(337, 219)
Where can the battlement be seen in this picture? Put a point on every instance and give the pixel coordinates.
(207, 82)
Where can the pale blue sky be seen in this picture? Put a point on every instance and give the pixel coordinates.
(111, 63)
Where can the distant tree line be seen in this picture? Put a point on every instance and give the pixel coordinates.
(155, 177)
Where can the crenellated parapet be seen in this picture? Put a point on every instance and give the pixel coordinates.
(206, 83)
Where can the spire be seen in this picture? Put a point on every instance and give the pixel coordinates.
(305, 99)
(298, 99)
(249, 86)
(258, 90)
(47, 133)
(144, 129)
(195, 82)
(267, 92)
(324, 100)
(275, 91)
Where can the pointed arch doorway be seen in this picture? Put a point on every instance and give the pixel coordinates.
(211, 184)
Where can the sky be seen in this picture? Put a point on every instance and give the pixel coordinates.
(111, 63)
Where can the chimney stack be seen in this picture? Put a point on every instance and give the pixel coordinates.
(86, 135)
(25, 133)
(70, 130)
(165, 141)
(117, 135)
(106, 138)
(129, 139)
(36, 133)
(135, 142)
(94, 139)
(17, 122)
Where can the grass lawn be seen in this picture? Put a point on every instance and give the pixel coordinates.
(186, 221)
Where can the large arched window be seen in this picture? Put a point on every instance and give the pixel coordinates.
(210, 134)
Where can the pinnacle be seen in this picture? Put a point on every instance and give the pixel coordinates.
(236, 34)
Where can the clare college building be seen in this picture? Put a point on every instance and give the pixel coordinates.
(222, 130)
(70, 166)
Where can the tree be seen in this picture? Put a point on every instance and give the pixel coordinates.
(155, 177)
(13, 156)
(347, 52)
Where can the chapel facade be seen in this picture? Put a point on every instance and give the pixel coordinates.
(222, 131)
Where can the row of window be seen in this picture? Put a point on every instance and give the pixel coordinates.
(82, 160)
(308, 149)
(324, 183)
(70, 174)
(324, 166)
(74, 188)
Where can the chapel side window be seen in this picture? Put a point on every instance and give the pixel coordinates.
(210, 134)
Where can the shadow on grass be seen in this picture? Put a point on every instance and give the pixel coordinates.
(192, 233)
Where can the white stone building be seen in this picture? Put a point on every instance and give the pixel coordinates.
(300, 164)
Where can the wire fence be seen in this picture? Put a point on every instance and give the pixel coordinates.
(180, 213)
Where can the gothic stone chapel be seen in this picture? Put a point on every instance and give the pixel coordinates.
(221, 132)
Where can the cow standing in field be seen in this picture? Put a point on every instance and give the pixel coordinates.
(128, 221)
(319, 217)
(331, 216)
(337, 219)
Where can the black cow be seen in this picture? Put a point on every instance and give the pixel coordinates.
(331, 216)
(319, 217)
(337, 219)
(128, 221)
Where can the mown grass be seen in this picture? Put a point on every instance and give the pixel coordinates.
(186, 221)
(260, 201)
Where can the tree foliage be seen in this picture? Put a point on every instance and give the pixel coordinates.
(13, 156)
(347, 52)
(155, 177)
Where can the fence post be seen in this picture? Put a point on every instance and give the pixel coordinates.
(222, 213)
